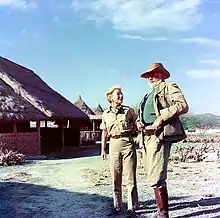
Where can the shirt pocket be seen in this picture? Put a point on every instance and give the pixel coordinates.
(123, 122)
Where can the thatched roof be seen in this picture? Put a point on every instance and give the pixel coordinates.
(99, 110)
(14, 107)
(83, 106)
(25, 83)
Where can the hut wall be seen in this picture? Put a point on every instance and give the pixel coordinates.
(6, 127)
(27, 143)
(25, 127)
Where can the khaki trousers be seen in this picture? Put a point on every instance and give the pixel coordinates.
(123, 157)
(156, 157)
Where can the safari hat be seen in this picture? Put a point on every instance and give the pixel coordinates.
(109, 92)
(155, 67)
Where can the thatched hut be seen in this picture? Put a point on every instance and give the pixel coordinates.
(83, 106)
(91, 131)
(97, 118)
(98, 110)
(26, 97)
(80, 103)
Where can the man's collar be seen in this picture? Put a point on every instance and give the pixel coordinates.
(160, 87)
(156, 84)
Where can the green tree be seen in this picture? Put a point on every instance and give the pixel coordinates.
(190, 122)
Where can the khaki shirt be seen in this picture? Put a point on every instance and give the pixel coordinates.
(121, 121)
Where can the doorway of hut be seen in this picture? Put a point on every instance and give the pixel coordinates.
(51, 140)
(55, 140)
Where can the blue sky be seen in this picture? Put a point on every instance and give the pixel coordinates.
(86, 46)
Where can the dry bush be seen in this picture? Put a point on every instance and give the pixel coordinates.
(9, 157)
(193, 153)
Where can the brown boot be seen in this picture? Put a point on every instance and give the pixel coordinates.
(161, 196)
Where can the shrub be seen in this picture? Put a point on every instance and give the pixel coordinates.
(9, 157)
(196, 154)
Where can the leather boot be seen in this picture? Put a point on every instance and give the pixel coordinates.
(161, 196)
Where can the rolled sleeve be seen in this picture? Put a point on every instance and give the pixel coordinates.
(133, 115)
(103, 124)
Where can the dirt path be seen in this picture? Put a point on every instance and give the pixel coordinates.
(81, 188)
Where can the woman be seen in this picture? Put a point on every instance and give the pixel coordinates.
(118, 123)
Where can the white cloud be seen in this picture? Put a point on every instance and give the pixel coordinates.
(203, 73)
(18, 4)
(201, 41)
(135, 37)
(211, 61)
(194, 40)
(142, 15)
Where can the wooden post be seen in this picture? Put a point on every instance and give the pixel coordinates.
(93, 125)
(38, 126)
(14, 127)
(39, 135)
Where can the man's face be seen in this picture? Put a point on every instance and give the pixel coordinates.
(116, 96)
(154, 77)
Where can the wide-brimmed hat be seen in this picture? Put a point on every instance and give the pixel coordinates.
(155, 67)
(109, 92)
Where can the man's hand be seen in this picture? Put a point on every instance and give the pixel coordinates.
(140, 126)
(103, 155)
(157, 123)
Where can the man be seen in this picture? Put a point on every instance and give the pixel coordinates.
(118, 123)
(160, 126)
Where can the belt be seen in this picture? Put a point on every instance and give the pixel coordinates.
(119, 136)
(149, 132)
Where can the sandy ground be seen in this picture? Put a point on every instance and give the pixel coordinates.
(80, 187)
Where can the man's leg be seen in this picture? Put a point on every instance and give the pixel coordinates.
(157, 157)
(161, 196)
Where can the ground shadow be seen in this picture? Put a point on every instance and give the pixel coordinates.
(149, 206)
(213, 201)
(182, 204)
(21, 200)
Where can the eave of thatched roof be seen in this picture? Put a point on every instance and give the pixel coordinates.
(34, 90)
(14, 107)
(83, 106)
(95, 117)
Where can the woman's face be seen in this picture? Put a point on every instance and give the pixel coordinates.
(116, 97)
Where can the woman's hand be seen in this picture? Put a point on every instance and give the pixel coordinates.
(103, 155)
(140, 126)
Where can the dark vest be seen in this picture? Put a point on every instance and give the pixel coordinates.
(147, 113)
